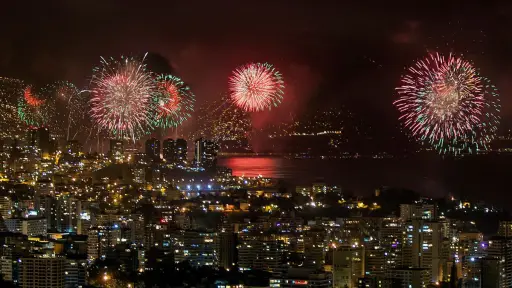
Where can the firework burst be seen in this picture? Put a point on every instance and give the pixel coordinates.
(173, 100)
(445, 102)
(221, 121)
(121, 97)
(36, 107)
(256, 87)
(231, 125)
(31, 99)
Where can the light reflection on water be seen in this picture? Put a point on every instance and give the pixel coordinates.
(360, 174)
(430, 175)
(266, 166)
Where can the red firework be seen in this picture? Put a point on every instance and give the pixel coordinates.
(256, 87)
(31, 99)
(172, 104)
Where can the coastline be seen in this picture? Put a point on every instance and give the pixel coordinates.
(429, 175)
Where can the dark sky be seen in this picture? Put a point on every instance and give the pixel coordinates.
(329, 52)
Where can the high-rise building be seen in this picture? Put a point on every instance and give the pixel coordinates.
(168, 150)
(125, 254)
(418, 210)
(196, 247)
(314, 245)
(347, 266)
(470, 251)
(407, 277)
(42, 272)
(155, 257)
(27, 226)
(83, 223)
(48, 207)
(471, 272)
(151, 235)
(66, 211)
(261, 252)
(39, 138)
(100, 239)
(116, 150)
(375, 261)
(180, 152)
(391, 239)
(205, 154)
(153, 149)
(5, 206)
(490, 273)
(422, 247)
(501, 248)
(175, 152)
(137, 228)
(226, 249)
(505, 229)
(108, 220)
(75, 272)
(13, 225)
(6, 262)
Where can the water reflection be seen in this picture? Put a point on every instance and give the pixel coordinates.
(429, 175)
(254, 166)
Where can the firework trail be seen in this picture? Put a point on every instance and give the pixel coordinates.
(71, 107)
(121, 97)
(256, 87)
(173, 100)
(445, 102)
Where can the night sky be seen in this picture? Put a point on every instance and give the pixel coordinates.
(330, 52)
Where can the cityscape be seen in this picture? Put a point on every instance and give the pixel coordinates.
(160, 218)
(255, 144)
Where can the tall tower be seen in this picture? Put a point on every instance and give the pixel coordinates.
(501, 248)
(198, 152)
(205, 154)
(168, 150)
(180, 152)
(227, 249)
(153, 149)
(422, 246)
